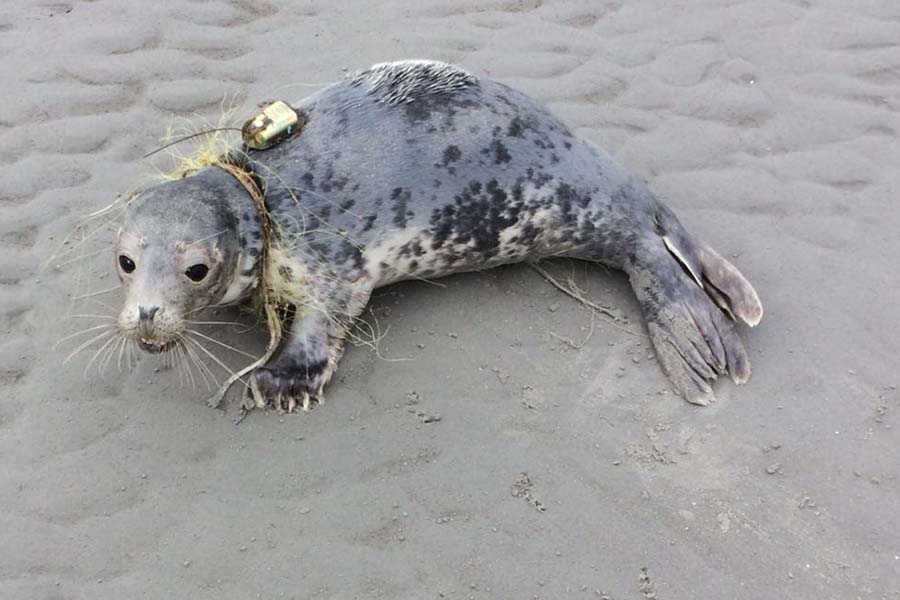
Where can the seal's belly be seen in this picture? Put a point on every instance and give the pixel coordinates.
(424, 253)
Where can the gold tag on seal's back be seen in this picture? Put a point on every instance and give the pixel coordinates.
(276, 122)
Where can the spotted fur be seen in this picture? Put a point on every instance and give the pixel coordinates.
(419, 169)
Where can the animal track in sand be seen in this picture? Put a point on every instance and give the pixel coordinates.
(19, 236)
(10, 377)
(15, 317)
(16, 354)
(389, 531)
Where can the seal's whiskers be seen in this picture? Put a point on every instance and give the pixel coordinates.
(202, 369)
(107, 359)
(210, 354)
(83, 331)
(121, 352)
(239, 326)
(223, 344)
(105, 345)
(89, 343)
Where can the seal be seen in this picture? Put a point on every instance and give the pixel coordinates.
(416, 169)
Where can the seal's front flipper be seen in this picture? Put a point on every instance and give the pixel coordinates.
(303, 367)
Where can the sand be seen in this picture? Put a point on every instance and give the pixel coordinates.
(771, 127)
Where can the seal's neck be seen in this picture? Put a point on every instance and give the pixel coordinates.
(250, 235)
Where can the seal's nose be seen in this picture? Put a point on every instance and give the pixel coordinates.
(146, 313)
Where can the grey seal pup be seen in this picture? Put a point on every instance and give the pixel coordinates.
(416, 169)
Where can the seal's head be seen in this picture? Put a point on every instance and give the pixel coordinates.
(184, 245)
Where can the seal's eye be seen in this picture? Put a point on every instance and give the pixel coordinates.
(197, 272)
(126, 263)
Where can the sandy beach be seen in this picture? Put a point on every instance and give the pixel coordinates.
(770, 127)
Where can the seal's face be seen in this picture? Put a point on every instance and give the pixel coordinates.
(175, 255)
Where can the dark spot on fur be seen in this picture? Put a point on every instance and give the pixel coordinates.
(349, 256)
(476, 219)
(451, 154)
(501, 154)
(538, 179)
(412, 248)
(286, 272)
(516, 127)
(529, 235)
(400, 198)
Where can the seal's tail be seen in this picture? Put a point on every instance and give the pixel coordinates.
(686, 290)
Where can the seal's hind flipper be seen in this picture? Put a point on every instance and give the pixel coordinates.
(727, 287)
(725, 284)
(694, 340)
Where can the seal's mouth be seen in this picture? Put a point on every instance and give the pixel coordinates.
(154, 346)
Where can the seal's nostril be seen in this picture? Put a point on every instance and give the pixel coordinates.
(146, 313)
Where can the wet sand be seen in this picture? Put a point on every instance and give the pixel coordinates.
(771, 127)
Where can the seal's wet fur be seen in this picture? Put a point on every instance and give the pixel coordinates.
(419, 169)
